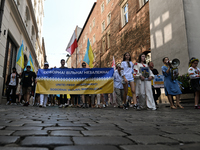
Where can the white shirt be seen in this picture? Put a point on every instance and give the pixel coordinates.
(193, 73)
(118, 80)
(128, 71)
(13, 79)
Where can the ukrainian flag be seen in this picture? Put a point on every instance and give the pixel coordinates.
(20, 56)
(30, 63)
(89, 57)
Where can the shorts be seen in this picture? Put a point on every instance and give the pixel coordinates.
(26, 90)
(19, 90)
(128, 81)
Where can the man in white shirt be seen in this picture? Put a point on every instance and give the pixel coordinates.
(118, 86)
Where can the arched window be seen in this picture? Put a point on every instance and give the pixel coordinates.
(27, 16)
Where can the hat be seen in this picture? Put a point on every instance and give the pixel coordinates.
(193, 59)
(118, 65)
(28, 65)
(46, 63)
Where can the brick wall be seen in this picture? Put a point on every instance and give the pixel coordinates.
(134, 37)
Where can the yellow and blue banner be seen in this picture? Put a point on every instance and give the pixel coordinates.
(75, 81)
(20, 56)
(89, 56)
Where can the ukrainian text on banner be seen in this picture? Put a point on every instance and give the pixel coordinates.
(75, 81)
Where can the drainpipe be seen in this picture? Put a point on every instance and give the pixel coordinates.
(1, 13)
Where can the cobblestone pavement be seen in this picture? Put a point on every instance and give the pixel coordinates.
(53, 128)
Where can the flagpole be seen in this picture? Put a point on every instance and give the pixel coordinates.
(76, 57)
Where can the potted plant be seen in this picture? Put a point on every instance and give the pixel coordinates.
(184, 82)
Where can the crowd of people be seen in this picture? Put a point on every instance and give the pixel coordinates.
(136, 77)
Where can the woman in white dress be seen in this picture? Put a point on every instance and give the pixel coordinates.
(143, 77)
(194, 73)
(127, 75)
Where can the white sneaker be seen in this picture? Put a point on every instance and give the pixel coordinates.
(14, 103)
(60, 106)
(44, 106)
(104, 106)
(8, 102)
(49, 104)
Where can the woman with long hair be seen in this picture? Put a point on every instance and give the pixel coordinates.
(194, 73)
(143, 77)
(171, 86)
(127, 75)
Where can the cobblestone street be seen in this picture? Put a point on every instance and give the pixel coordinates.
(34, 128)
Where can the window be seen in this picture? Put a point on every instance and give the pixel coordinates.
(94, 39)
(124, 14)
(142, 2)
(104, 45)
(90, 28)
(102, 7)
(109, 18)
(27, 16)
(17, 2)
(107, 1)
(93, 22)
(103, 26)
(108, 40)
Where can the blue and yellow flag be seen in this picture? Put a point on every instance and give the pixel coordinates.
(89, 57)
(20, 56)
(30, 63)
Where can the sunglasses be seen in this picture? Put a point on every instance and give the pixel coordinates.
(83, 65)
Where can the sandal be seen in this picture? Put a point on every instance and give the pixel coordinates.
(180, 106)
(172, 107)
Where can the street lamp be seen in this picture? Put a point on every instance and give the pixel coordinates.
(68, 56)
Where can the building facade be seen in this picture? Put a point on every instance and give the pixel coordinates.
(115, 27)
(18, 24)
(174, 28)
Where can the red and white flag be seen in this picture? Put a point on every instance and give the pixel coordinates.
(113, 63)
(72, 44)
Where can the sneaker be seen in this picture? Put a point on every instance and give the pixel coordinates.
(83, 105)
(138, 108)
(135, 106)
(196, 107)
(26, 104)
(153, 109)
(8, 103)
(14, 103)
(49, 105)
(44, 106)
(125, 107)
(60, 106)
(66, 105)
(40, 106)
(104, 105)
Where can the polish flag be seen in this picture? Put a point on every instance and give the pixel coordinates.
(113, 63)
(72, 44)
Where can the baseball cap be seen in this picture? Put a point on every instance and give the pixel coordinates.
(46, 63)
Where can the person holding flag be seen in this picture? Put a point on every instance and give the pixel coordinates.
(28, 78)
